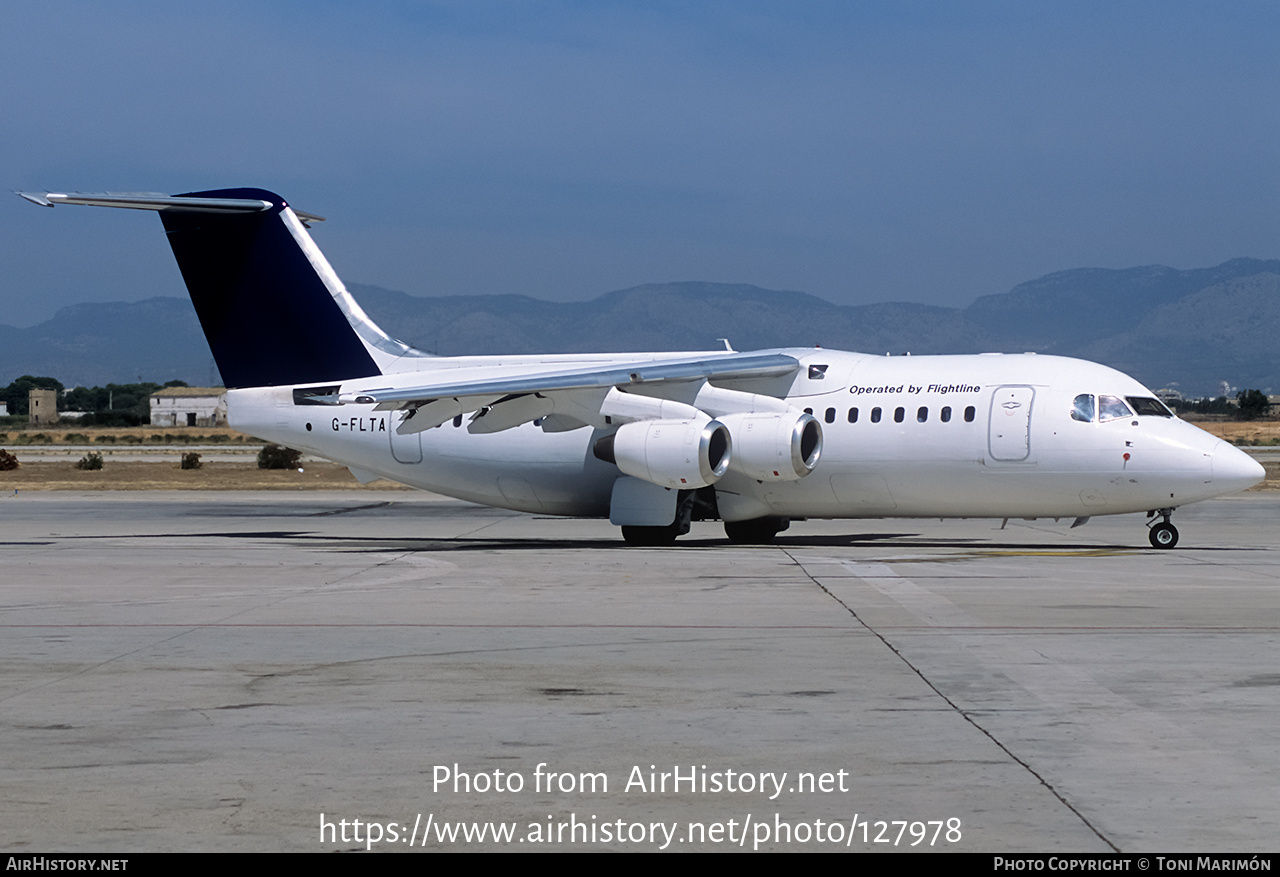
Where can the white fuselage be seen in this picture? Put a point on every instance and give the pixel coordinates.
(908, 436)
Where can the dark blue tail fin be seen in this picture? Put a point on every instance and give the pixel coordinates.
(269, 313)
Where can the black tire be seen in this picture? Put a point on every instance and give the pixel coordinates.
(651, 536)
(1163, 535)
(757, 531)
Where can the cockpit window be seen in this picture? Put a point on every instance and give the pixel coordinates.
(1112, 408)
(1082, 408)
(1147, 405)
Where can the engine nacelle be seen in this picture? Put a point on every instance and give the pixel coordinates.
(683, 454)
(774, 446)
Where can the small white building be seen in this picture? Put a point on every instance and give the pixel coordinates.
(189, 406)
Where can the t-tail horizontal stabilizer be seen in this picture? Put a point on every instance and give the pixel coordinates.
(271, 306)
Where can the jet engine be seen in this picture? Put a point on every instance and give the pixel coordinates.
(682, 454)
(773, 446)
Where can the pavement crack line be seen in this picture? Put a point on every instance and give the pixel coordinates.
(952, 704)
(346, 511)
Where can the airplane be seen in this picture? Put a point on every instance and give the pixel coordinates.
(654, 441)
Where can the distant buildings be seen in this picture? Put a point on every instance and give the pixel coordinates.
(42, 407)
(189, 406)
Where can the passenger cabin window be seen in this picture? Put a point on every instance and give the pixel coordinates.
(900, 414)
(1082, 408)
(1112, 408)
(830, 416)
(1145, 405)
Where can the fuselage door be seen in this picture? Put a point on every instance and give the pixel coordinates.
(404, 448)
(1009, 431)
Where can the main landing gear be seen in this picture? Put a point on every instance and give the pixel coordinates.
(653, 536)
(700, 505)
(691, 505)
(1162, 534)
(757, 531)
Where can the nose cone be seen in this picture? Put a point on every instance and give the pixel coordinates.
(1233, 469)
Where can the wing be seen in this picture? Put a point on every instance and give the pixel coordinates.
(569, 398)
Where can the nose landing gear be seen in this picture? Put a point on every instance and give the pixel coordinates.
(1162, 534)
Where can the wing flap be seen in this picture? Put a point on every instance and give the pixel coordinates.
(438, 411)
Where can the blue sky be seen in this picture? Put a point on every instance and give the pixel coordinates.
(862, 152)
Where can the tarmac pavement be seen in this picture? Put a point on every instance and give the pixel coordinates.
(257, 671)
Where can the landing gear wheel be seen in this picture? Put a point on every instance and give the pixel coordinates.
(757, 531)
(651, 536)
(1163, 535)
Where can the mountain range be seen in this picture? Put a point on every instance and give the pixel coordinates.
(1191, 329)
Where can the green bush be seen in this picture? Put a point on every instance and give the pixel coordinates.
(8, 461)
(191, 461)
(277, 457)
(106, 440)
(90, 461)
(1252, 405)
(75, 438)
